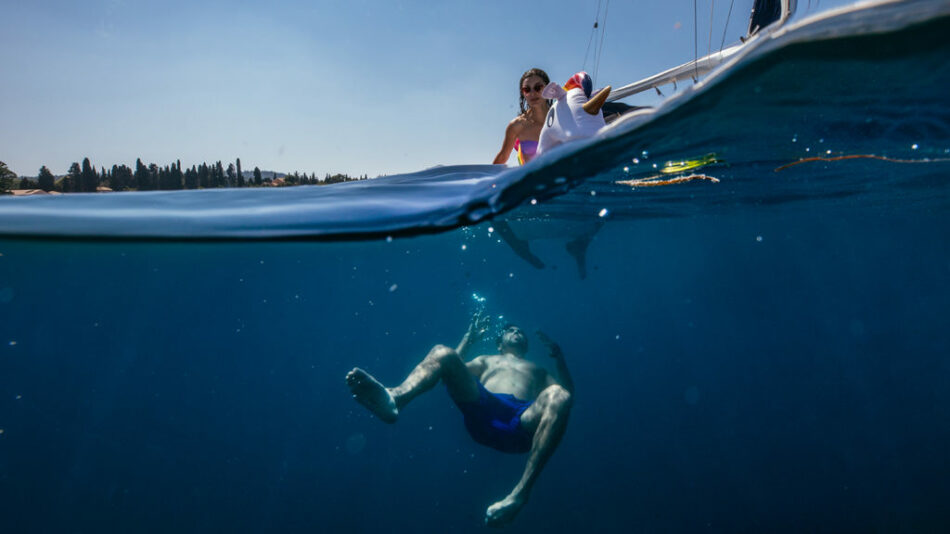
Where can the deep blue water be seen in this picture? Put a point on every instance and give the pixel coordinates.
(766, 353)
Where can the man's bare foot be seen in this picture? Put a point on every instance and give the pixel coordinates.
(503, 511)
(371, 394)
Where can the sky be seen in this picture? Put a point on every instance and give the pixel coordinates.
(351, 86)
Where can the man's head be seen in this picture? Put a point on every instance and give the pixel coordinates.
(512, 340)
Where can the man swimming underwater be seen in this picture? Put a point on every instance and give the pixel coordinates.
(509, 403)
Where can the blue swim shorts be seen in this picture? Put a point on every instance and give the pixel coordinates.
(494, 420)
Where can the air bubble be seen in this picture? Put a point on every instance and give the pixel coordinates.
(913, 146)
(603, 212)
(626, 169)
(389, 239)
(636, 161)
(645, 154)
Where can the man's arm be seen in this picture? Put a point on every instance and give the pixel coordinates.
(563, 374)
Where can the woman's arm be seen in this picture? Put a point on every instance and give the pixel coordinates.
(511, 133)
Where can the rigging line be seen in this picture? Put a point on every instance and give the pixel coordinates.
(592, 31)
(695, 44)
(603, 35)
(723, 43)
(712, 7)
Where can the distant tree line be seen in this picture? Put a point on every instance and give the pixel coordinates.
(85, 178)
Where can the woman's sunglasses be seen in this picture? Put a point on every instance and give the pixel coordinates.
(537, 88)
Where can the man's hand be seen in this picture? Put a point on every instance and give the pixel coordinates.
(478, 327)
(554, 350)
(563, 375)
(476, 331)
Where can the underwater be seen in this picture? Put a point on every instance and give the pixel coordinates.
(749, 285)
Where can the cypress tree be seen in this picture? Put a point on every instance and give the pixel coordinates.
(72, 179)
(153, 175)
(88, 178)
(204, 177)
(140, 178)
(175, 178)
(46, 180)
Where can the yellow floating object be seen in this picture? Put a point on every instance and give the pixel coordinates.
(687, 165)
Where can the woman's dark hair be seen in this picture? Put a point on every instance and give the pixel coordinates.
(527, 74)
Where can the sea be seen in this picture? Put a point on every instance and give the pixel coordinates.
(750, 284)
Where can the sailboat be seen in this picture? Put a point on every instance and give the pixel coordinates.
(766, 17)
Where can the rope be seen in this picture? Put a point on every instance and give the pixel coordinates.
(860, 156)
(712, 7)
(591, 38)
(723, 43)
(603, 36)
(695, 44)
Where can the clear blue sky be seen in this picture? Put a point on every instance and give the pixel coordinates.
(376, 87)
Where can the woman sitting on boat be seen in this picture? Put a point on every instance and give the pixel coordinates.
(523, 131)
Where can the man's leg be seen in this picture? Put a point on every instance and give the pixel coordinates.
(442, 363)
(547, 417)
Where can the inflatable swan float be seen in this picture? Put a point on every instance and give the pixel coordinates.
(575, 113)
